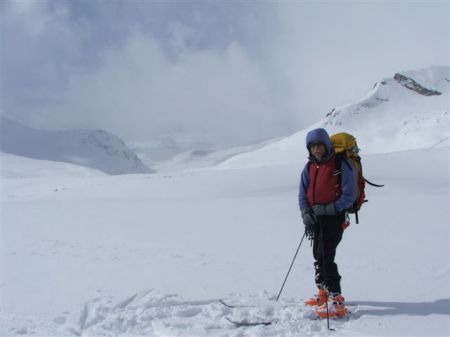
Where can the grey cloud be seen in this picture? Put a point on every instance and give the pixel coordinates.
(139, 93)
(226, 72)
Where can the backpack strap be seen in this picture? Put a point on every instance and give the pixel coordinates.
(339, 160)
(372, 184)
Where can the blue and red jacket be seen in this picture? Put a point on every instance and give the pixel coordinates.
(324, 182)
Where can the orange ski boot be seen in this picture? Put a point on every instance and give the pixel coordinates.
(336, 307)
(317, 299)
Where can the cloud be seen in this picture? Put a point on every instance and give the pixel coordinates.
(39, 50)
(140, 93)
(337, 50)
(226, 73)
(184, 74)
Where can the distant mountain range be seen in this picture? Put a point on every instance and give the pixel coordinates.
(407, 111)
(91, 148)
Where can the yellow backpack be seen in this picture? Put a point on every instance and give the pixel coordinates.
(346, 149)
(345, 144)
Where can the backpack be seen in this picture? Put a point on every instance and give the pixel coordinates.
(346, 150)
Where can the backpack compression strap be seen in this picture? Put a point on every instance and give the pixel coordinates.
(372, 184)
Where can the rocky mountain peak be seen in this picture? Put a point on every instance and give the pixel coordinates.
(411, 84)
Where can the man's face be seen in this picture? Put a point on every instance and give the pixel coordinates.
(318, 150)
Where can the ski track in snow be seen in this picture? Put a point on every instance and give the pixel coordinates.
(151, 313)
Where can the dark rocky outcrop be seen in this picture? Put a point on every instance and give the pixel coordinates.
(414, 86)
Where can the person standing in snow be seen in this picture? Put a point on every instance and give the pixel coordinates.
(326, 191)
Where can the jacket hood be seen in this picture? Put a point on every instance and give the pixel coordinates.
(319, 135)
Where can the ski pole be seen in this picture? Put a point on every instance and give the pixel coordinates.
(292, 263)
(324, 272)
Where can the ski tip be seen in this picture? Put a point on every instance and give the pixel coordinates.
(247, 323)
(226, 304)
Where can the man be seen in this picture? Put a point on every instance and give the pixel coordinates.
(327, 189)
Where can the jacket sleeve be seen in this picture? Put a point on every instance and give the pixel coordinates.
(348, 187)
(304, 182)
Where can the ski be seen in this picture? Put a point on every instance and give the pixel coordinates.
(247, 323)
(231, 306)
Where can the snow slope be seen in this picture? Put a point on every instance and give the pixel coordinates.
(12, 166)
(149, 255)
(200, 159)
(95, 149)
(408, 111)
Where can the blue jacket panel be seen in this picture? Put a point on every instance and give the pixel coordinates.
(348, 187)
(304, 182)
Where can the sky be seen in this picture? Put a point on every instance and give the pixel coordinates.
(219, 72)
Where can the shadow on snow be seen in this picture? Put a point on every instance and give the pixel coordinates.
(438, 307)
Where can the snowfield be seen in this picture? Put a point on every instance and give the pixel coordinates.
(84, 253)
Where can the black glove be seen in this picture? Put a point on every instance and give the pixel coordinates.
(328, 209)
(309, 220)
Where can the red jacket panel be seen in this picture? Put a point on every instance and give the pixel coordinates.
(323, 185)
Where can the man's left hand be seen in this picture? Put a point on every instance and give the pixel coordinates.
(327, 209)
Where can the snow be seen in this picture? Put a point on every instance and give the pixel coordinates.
(12, 166)
(92, 254)
(152, 254)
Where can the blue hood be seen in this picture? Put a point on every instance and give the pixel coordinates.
(319, 135)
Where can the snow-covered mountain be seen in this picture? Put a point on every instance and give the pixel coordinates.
(203, 158)
(165, 149)
(91, 148)
(407, 111)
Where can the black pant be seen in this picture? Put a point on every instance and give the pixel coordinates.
(326, 270)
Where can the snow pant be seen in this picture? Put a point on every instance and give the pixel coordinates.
(326, 270)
